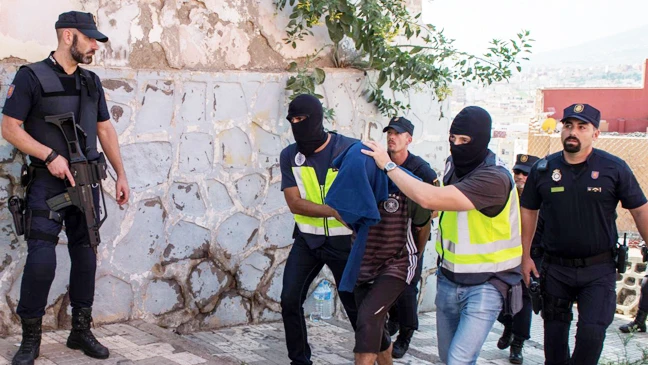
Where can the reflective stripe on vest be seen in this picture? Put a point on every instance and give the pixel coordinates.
(311, 190)
(470, 242)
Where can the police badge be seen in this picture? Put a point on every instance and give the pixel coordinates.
(300, 159)
(391, 205)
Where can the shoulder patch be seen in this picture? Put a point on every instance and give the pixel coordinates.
(10, 91)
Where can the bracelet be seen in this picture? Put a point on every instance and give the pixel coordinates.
(53, 155)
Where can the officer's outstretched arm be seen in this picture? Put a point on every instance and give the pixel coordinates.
(446, 198)
(640, 216)
(13, 133)
(529, 222)
(305, 207)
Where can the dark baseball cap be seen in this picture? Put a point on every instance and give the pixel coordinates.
(400, 125)
(584, 112)
(524, 162)
(83, 22)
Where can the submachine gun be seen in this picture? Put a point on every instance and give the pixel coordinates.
(87, 175)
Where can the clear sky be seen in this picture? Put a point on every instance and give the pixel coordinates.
(554, 24)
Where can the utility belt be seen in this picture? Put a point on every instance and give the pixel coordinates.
(602, 258)
(95, 171)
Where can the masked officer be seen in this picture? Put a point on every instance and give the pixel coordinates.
(579, 189)
(517, 328)
(403, 316)
(320, 236)
(479, 240)
(50, 87)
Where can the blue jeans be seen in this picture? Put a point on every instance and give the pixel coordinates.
(465, 316)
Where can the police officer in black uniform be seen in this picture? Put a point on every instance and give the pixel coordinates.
(579, 189)
(403, 315)
(51, 87)
(517, 328)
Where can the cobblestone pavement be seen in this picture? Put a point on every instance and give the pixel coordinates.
(332, 342)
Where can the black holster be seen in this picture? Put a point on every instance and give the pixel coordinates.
(17, 205)
(535, 292)
(621, 258)
(17, 209)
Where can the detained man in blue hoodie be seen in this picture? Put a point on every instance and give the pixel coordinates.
(479, 242)
(321, 238)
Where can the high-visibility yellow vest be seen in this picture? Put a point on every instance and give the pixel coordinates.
(311, 190)
(471, 242)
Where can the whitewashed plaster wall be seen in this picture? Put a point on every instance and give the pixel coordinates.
(196, 92)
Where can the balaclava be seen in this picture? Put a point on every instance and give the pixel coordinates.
(474, 122)
(309, 133)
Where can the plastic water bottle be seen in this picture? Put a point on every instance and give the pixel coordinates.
(327, 303)
(323, 302)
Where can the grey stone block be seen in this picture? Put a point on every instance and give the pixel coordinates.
(112, 227)
(207, 282)
(187, 241)
(218, 196)
(274, 199)
(235, 148)
(278, 230)
(120, 115)
(147, 164)
(250, 190)
(7, 151)
(192, 107)
(274, 291)
(186, 198)
(5, 189)
(163, 296)
(142, 247)
(113, 300)
(232, 310)
(237, 233)
(268, 146)
(229, 102)
(196, 153)
(251, 271)
(156, 111)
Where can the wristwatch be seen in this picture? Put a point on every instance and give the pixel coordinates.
(390, 166)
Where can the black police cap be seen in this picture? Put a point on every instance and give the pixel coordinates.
(83, 22)
(400, 125)
(584, 112)
(524, 162)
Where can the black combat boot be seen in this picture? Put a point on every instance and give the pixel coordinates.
(81, 338)
(638, 325)
(401, 345)
(507, 336)
(31, 340)
(516, 350)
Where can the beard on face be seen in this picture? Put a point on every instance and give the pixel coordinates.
(77, 55)
(572, 148)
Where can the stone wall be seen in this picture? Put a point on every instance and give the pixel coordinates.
(204, 239)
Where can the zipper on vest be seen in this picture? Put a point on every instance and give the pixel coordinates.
(326, 229)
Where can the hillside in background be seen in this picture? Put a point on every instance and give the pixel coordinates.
(625, 48)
